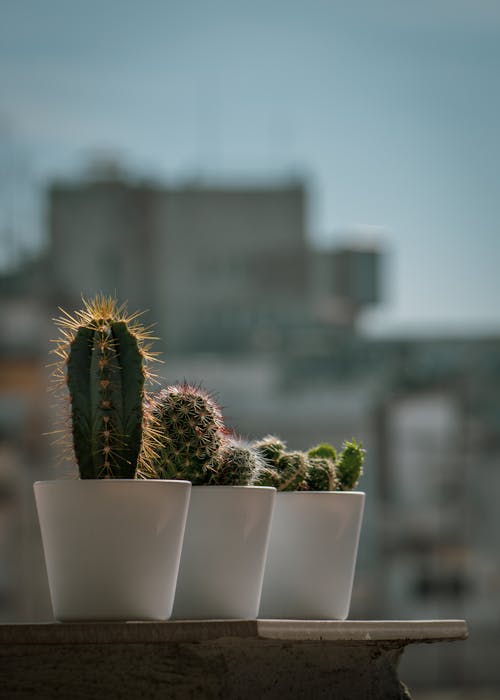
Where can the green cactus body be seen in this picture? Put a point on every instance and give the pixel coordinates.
(349, 467)
(292, 469)
(323, 450)
(286, 471)
(271, 448)
(238, 465)
(105, 374)
(267, 476)
(321, 475)
(190, 429)
(318, 470)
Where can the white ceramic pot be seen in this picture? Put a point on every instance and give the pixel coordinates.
(225, 545)
(112, 547)
(312, 555)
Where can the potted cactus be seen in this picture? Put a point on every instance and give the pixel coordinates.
(112, 540)
(227, 532)
(316, 525)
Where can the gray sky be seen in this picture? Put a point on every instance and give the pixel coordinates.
(391, 109)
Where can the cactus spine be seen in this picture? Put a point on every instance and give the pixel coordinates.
(190, 430)
(103, 354)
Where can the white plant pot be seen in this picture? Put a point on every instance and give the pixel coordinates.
(112, 547)
(225, 545)
(312, 555)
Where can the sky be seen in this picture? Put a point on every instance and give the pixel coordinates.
(389, 110)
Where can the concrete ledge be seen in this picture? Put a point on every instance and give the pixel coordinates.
(227, 659)
(362, 631)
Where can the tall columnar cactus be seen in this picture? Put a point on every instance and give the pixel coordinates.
(238, 465)
(103, 354)
(349, 465)
(190, 429)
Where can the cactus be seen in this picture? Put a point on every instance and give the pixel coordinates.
(238, 465)
(318, 470)
(271, 448)
(103, 354)
(190, 429)
(267, 476)
(323, 450)
(349, 465)
(321, 474)
(286, 471)
(292, 468)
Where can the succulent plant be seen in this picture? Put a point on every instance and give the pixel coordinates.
(102, 360)
(323, 450)
(321, 474)
(267, 476)
(349, 465)
(286, 471)
(320, 469)
(292, 468)
(238, 464)
(271, 448)
(190, 431)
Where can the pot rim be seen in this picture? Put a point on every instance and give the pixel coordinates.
(319, 493)
(109, 481)
(229, 486)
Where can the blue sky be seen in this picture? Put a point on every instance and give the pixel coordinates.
(390, 109)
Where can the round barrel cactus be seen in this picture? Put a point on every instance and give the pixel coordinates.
(190, 429)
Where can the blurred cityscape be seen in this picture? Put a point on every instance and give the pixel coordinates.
(245, 304)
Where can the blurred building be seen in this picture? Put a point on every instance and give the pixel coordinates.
(221, 268)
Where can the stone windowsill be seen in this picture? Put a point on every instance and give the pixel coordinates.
(227, 659)
(348, 631)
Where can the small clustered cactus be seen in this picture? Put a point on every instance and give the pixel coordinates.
(103, 355)
(320, 469)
